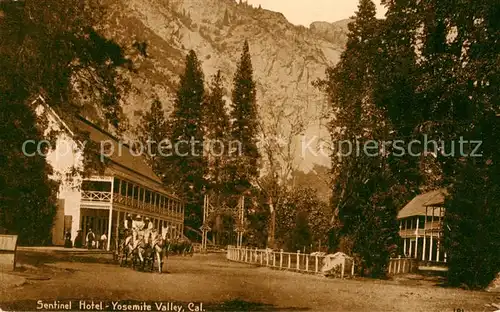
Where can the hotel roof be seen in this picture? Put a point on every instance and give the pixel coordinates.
(418, 205)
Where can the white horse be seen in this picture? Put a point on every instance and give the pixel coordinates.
(126, 249)
(159, 243)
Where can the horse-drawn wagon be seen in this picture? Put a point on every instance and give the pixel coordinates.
(148, 251)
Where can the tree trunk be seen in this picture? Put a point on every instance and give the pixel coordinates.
(272, 230)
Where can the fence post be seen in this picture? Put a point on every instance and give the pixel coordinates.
(298, 260)
(343, 269)
(261, 259)
(274, 259)
(352, 268)
(399, 264)
(307, 262)
(267, 258)
(281, 258)
(316, 264)
(289, 261)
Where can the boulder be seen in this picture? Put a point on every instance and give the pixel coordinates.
(332, 264)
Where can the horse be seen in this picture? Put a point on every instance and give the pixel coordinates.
(181, 246)
(159, 246)
(143, 253)
(125, 249)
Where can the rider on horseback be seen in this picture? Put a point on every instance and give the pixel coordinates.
(148, 230)
(137, 231)
(127, 229)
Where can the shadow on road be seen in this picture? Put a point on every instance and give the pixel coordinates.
(40, 258)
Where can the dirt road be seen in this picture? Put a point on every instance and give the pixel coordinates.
(226, 286)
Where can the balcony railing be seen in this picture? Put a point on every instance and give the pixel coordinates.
(430, 227)
(96, 196)
(132, 202)
(433, 225)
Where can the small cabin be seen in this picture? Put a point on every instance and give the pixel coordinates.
(421, 227)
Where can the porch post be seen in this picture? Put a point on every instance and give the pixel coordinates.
(416, 240)
(432, 235)
(404, 247)
(439, 236)
(110, 215)
(425, 238)
(117, 228)
(410, 250)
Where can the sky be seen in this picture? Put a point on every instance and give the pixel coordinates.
(304, 12)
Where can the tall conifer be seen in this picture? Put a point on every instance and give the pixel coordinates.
(244, 123)
(186, 167)
(152, 131)
(217, 133)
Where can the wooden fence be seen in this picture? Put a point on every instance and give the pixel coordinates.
(297, 262)
(402, 266)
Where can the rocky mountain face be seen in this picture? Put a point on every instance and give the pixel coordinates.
(286, 58)
(333, 32)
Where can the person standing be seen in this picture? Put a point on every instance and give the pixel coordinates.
(104, 241)
(67, 240)
(90, 239)
(79, 239)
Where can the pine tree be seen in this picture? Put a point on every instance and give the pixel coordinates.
(27, 205)
(359, 179)
(216, 122)
(187, 165)
(153, 134)
(244, 123)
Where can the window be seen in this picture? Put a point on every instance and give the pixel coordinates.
(148, 196)
(116, 185)
(124, 188)
(141, 194)
(162, 204)
(99, 186)
(136, 192)
(130, 189)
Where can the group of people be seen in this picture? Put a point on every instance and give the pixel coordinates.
(138, 230)
(96, 241)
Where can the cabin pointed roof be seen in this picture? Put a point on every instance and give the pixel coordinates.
(418, 205)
